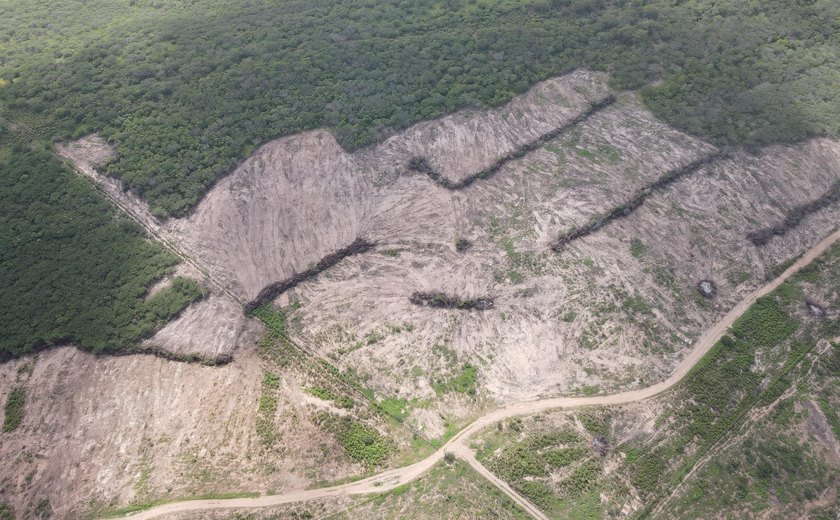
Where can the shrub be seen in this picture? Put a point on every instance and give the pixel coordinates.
(14, 409)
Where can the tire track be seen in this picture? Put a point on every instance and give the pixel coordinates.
(390, 479)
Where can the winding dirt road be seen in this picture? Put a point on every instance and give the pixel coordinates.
(390, 479)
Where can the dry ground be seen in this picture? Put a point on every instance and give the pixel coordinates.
(616, 310)
(129, 429)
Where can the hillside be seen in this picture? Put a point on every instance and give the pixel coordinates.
(537, 258)
(615, 309)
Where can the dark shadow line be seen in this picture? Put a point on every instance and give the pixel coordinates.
(359, 246)
(421, 165)
(795, 216)
(636, 202)
(441, 300)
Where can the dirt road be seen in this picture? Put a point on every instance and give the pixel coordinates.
(458, 444)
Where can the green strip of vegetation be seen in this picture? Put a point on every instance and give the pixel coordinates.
(362, 443)
(268, 408)
(448, 490)
(71, 268)
(464, 382)
(14, 409)
(181, 117)
(342, 401)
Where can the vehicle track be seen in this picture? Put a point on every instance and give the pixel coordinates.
(390, 479)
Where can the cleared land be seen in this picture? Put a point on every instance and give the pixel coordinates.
(614, 311)
(398, 477)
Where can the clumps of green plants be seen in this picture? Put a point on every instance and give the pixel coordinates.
(395, 407)
(274, 319)
(646, 472)
(268, 408)
(719, 390)
(590, 390)
(463, 383)
(549, 468)
(583, 478)
(441, 300)
(638, 248)
(595, 423)
(341, 401)
(362, 443)
(14, 409)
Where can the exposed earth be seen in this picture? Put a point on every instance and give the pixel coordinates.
(614, 313)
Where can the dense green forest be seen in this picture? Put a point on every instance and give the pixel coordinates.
(71, 268)
(186, 89)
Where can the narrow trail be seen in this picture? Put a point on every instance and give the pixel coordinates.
(458, 445)
(90, 176)
(150, 230)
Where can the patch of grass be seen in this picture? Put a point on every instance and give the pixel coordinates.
(831, 416)
(464, 383)
(739, 277)
(635, 304)
(274, 319)
(637, 248)
(595, 423)
(450, 490)
(14, 410)
(320, 393)
(397, 408)
(268, 408)
(554, 469)
(780, 268)
(591, 390)
(362, 443)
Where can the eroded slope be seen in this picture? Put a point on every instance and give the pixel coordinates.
(615, 309)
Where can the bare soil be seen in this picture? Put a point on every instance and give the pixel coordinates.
(133, 428)
(618, 309)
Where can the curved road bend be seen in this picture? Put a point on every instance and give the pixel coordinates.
(390, 479)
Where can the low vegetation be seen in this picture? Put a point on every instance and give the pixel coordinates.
(553, 467)
(361, 440)
(464, 382)
(268, 409)
(362, 443)
(450, 490)
(14, 409)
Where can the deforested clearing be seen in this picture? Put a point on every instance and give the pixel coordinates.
(616, 309)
